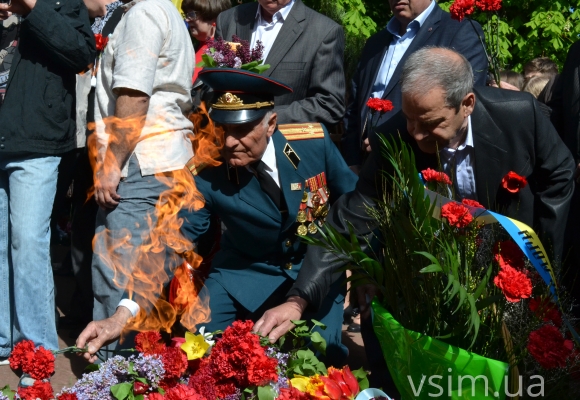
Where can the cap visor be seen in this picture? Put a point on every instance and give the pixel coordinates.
(237, 116)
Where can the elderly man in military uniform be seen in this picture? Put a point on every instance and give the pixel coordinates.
(275, 182)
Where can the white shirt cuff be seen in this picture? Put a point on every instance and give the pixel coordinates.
(131, 305)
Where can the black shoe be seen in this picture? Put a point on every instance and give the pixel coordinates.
(349, 313)
(353, 328)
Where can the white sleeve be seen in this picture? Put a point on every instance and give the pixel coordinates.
(130, 305)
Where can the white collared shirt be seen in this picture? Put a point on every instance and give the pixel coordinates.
(463, 158)
(397, 49)
(269, 158)
(265, 31)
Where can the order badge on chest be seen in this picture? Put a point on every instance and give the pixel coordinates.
(314, 205)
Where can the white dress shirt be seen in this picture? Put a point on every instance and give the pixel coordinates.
(268, 158)
(265, 31)
(463, 158)
(397, 49)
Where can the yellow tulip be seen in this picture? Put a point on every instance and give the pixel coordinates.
(300, 382)
(195, 346)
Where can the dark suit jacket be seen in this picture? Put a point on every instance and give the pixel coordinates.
(307, 55)
(438, 30)
(509, 134)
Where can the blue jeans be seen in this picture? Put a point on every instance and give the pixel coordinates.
(27, 311)
(127, 221)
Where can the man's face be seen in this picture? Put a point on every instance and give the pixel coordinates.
(246, 143)
(432, 123)
(272, 6)
(407, 10)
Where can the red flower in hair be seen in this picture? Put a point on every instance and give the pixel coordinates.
(472, 203)
(22, 355)
(430, 175)
(488, 5)
(513, 182)
(149, 343)
(545, 309)
(514, 284)
(42, 365)
(509, 253)
(101, 41)
(461, 8)
(379, 105)
(40, 390)
(457, 215)
(549, 348)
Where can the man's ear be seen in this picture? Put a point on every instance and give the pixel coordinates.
(272, 122)
(468, 104)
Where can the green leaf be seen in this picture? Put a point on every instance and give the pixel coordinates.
(208, 61)
(161, 391)
(318, 323)
(131, 369)
(298, 322)
(6, 391)
(139, 397)
(266, 393)
(142, 380)
(91, 368)
(121, 391)
(318, 342)
(431, 268)
(362, 378)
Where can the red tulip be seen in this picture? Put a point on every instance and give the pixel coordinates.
(331, 388)
(140, 388)
(350, 380)
(337, 376)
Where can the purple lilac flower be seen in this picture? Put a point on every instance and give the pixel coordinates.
(118, 365)
(149, 367)
(282, 358)
(94, 385)
(2, 397)
(237, 63)
(257, 51)
(235, 396)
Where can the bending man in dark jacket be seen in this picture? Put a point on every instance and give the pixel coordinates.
(44, 45)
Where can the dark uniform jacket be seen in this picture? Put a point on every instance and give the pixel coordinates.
(38, 113)
(260, 250)
(509, 134)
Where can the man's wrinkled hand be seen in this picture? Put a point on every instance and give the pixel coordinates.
(20, 7)
(278, 320)
(365, 294)
(100, 333)
(107, 181)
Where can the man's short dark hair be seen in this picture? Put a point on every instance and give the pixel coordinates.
(206, 10)
(543, 65)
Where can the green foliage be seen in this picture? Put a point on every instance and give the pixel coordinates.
(122, 391)
(6, 391)
(305, 363)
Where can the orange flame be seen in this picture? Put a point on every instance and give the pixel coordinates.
(159, 258)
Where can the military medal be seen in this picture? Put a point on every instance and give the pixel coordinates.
(301, 217)
(313, 206)
(312, 229)
(302, 230)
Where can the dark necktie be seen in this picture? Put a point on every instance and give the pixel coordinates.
(267, 183)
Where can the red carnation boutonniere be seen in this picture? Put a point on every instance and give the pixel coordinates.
(379, 105)
(101, 41)
(513, 182)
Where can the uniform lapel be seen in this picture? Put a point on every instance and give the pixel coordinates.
(288, 35)
(489, 151)
(251, 193)
(429, 27)
(288, 175)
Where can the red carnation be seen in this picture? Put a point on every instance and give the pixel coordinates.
(67, 396)
(149, 343)
(430, 175)
(40, 390)
(155, 396)
(461, 8)
(379, 105)
(549, 348)
(545, 309)
(509, 253)
(292, 394)
(182, 392)
(457, 215)
(42, 365)
(174, 361)
(488, 5)
(514, 284)
(22, 355)
(472, 203)
(513, 182)
(101, 41)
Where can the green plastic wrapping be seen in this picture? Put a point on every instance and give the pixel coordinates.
(425, 368)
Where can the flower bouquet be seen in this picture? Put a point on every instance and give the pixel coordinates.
(470, 306)
(236, 54)
(238, 365)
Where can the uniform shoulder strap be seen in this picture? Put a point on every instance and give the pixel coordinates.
(308, 130)
(195, 169)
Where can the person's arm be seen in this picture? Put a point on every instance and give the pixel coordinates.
(64, 32)
(124, 131)
(325, 99)
(468, 43)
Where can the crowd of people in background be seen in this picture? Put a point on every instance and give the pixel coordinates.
(64, 97)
